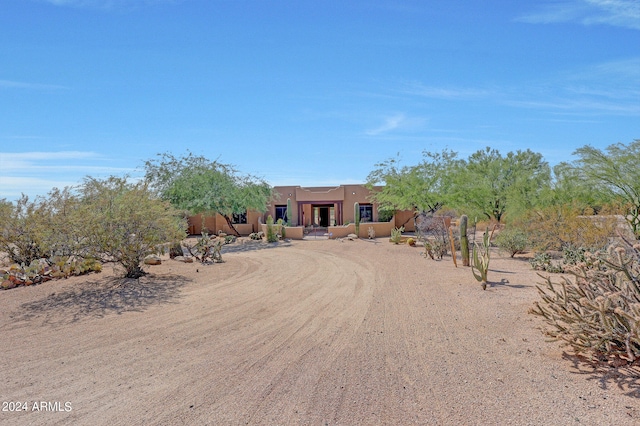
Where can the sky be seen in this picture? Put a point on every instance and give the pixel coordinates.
(306, 92)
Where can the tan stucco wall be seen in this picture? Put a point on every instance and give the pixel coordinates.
(405, 218)
(281, 194)
(195, 224)
(382, 229)
(356, 194)
(218, 223)
(293, 232)
(320, 194)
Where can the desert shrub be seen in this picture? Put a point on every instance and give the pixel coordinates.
(42, 270)
(570, 256)
(560, 226)
(385, 215)
(371, 232)
(435, 248)
(396, 235)
(573, 255)
(175, 250)
(598, 311)
(24, 229)
(512, 241)
(542, 262)
(281, 226)
(207, 248)
(124, 222)
(272, 237)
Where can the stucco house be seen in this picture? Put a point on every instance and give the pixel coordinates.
(331, 208)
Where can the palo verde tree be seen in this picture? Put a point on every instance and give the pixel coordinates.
(123, 222)
(615, 172)
(570, 186)
(490, 185)
(421, 187)
(200, 186)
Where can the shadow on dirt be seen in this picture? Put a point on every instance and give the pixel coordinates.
(625, 377)
(97, 299)
(505, 283)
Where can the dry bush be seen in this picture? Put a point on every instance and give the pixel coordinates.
(512, 241)
(598, 311)
(557, 227)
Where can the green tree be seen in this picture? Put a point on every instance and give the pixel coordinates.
(421, 188)
(24, 227)
(490, 185)
(569, 186)
(66, 224)
(615, 173)
(201, 186)
(123, 222)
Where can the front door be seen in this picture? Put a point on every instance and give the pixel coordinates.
(323, 214)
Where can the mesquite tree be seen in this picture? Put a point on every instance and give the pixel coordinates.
(201, 186)
(123, 222)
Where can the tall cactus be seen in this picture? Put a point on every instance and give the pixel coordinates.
(464, 240)
(356, 217)
(481, 259)
(288, 214)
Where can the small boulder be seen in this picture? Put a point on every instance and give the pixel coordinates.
(7, 284)
(152, 259)
(352, 237)
(184, 259)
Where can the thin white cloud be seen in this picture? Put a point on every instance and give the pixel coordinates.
(12, 187)
(451, 93)
(390, 123)
(396, 122)
(27, 161)
(9, 84)
(577, 106)
(619, 13)
(611, 88)
(43, 155)
(109, 4)
(37, 173)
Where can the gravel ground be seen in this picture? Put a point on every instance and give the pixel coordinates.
(305, 332)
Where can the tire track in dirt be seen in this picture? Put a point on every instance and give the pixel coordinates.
(308, 329)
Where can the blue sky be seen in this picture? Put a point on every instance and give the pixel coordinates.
(306, 92)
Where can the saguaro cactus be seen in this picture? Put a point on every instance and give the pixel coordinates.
(288, 214)
(464, 240)
(356, 216)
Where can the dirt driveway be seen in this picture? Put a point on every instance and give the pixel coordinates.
(308, 332)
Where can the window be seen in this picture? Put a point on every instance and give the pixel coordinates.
(239, 218)
(281, 213)
(366, 213)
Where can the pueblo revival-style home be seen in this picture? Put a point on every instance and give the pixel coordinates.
(328, 209)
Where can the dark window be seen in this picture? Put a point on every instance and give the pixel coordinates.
(281, 213)
(239, 218)
(366, 213)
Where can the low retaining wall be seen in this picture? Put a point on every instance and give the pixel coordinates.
(382, 229)
(293, 232)
(242, 228)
